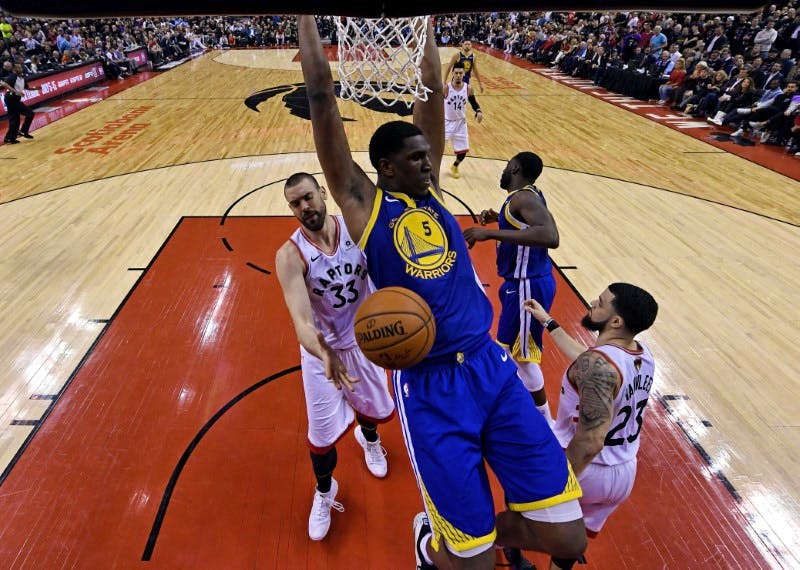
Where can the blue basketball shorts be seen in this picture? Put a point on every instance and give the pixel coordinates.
(517, 330)
(463, 409)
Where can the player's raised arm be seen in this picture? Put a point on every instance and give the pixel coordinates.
(429, 115)
(571, 348)
(350, 187)
(449, 69)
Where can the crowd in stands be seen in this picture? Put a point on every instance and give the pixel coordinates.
(41, 45)
(738, 70)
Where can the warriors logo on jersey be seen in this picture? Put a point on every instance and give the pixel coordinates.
(420, 240)
(466, 61)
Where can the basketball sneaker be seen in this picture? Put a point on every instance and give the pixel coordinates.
(422, 528)
(374, 454)
(319, 521)
(454, 171)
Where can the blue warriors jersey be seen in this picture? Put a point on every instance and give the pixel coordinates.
(467, 60)
(520, 261)
(418, 244)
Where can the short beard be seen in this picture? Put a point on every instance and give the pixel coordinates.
(317, 225)
(590, 325)
(505, 181)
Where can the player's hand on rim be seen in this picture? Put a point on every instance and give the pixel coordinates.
(335, 370)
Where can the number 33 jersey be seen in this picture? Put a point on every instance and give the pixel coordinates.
(636, 368)
(337, 283)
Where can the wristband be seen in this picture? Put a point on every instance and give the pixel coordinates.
(551, 324)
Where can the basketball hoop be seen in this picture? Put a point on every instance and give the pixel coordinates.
(382, 56)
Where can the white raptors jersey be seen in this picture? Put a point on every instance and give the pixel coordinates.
(636, 367)
(336, 283)
(455, 104)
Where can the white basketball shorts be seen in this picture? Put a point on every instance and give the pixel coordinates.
(330, 411)
(605, 487)
(456, 133)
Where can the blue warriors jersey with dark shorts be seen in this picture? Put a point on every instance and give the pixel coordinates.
(468, 61)
(464, 404)
(520, 261)
(419, 245)
(528, 274)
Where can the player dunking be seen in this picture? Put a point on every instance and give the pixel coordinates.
(463, 404)
(456, 95)
(324, 278)
(526, 231)
(604, 394)
(467, 58)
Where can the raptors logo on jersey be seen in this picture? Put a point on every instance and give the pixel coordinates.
(337, 283)
(455, 103)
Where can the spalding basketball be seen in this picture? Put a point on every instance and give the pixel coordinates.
(395, 328)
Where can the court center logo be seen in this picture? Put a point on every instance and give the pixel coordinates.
(420, 240)
(295, 98)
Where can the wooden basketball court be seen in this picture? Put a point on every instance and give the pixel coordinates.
(151, 412)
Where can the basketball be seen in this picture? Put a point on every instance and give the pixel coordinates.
(395, 328)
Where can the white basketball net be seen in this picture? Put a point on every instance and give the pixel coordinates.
(382, 56)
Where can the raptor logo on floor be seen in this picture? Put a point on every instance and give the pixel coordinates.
(295, 98)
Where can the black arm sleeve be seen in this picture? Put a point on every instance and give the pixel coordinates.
(474, 103)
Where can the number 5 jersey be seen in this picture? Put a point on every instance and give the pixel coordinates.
(337, 283)
(636, 368)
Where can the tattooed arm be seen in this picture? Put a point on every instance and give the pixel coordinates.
(598, 382)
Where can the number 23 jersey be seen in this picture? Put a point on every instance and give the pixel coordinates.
(636, 368)
(337, 283)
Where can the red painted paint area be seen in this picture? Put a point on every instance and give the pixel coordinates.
(772, 157)
(198, 330)
(74, 102)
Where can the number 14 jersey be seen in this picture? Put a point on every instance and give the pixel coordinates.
(636, 368)
(337, 283)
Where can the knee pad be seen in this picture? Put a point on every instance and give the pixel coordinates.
(531, 374)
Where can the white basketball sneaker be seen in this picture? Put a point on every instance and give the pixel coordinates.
(374, 454)
(319, 521)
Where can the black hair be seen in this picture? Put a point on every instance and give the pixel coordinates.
(531, 165)
(458, 65)
(389, 139)
(297, 178)
(636, 306)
